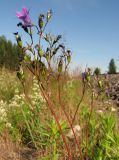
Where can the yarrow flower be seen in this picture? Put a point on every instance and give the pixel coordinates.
(24, 16)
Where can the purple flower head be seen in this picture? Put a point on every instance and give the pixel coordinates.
(24, 16)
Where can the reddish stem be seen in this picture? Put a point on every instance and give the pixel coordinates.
(63, 109)
(57, 121)
(79, 104)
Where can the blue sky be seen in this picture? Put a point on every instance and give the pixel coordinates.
(90, 28)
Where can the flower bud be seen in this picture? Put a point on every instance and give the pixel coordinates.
(55, 50)
(100, 84)
(20, 75)
(46, 38)
(60, 66)
(42, 68)
(40, 52)
(27, 58)
(40, 21)
(18, 39)
(57, 39)
(68, 56)
(88, 77)
(49, 14)
(47, 56)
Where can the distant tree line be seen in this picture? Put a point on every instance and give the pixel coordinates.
(112, 68)
(97, 71)
(9, 54)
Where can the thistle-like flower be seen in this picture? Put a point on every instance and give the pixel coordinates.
(24, 16)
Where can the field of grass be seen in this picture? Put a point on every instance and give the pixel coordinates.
(29, 131)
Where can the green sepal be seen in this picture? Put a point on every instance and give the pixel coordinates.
(19, 43)
(20, 75)
(47, 56)
(40, 22)
(68, 58)
(27, 58)
(88, 77)
(100, 84)
(46, 38)
(40, 52)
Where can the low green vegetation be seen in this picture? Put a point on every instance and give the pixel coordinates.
(35, 128)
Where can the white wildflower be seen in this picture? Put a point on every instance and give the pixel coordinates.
(113, 109)
(77, 131)
(99, 111)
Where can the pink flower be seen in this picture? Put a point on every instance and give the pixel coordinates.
(24, 16)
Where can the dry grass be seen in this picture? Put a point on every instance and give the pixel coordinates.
(8, 150)
(11, 151)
